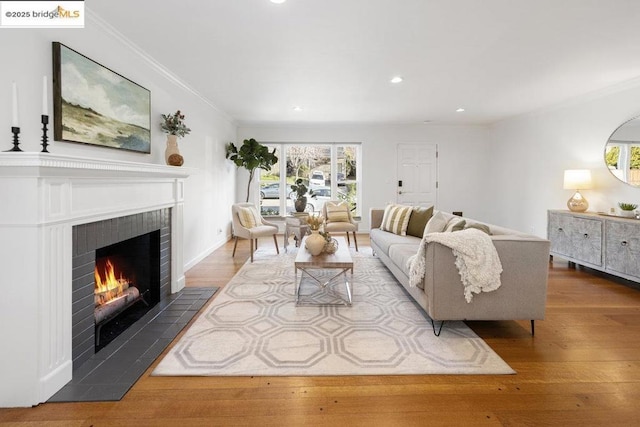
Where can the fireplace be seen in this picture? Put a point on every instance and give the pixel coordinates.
(69, 207)
(121, 270)
(126, 285)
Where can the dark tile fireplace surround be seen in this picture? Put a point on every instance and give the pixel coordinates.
(87, 239)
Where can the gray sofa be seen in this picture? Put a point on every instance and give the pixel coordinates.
(521, 296)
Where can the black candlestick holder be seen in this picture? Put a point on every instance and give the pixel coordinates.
(16, 138)
(44, 119)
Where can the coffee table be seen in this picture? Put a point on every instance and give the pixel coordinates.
(324, 271)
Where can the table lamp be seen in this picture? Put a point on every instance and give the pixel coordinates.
(577, 179)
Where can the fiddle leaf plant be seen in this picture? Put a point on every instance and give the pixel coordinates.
(251, 155)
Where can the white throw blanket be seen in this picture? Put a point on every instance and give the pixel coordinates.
(476, 258)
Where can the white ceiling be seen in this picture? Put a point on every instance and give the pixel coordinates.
(256, 60)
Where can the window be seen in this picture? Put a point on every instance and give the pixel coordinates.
(329, 170)
(270, 192)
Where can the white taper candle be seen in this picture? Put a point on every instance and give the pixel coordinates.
(45, 97)
(14, 105)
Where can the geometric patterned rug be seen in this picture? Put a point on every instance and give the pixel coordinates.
(254, 328)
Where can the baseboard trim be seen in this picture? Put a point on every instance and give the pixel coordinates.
(192, 263)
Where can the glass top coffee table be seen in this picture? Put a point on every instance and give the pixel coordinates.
(323, 276)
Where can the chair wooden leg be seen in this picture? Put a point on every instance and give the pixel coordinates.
(234, 247)
(256, 244)
(355, 241)
(251, 250)
(276, 242)
(348, 239)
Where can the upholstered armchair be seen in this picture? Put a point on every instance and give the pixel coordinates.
(338, 220)
(249, 224)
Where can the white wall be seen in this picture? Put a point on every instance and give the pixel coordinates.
(209, 190)
(461, 164)
(530, 153)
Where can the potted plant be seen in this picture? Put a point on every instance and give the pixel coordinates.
(627, 209)
(251, 155)
(300, 191)
(173, 125)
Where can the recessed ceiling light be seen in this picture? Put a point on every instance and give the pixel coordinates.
(460, 110)
(297, 108)
(278, 1)
(396, 79)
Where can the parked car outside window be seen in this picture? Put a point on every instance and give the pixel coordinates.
(270, 191)
(317, 178)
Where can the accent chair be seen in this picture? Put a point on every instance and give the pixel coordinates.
(249, 224)
(338, 219)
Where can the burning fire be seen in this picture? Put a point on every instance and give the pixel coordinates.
(111, 287)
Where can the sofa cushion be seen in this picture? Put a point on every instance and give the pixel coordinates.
(396, 219)
(400, 254)
(418, 220)
(385, 239)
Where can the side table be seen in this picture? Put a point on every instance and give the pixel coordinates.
(296, 224)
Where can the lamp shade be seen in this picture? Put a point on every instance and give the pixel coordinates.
(577, 179)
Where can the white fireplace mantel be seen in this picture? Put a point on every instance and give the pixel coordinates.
(42, 196)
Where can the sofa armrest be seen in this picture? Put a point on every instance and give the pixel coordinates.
(522, 295)
(375, 217)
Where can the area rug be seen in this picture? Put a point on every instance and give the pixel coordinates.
(255, 328)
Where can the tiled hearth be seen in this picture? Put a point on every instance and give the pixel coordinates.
(44, 197)
(110, 373)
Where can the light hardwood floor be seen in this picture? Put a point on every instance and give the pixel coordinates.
(582, 368)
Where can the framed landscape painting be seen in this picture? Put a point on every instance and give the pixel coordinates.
(97, 106)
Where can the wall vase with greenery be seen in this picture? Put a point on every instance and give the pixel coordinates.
(251, 155)
(174, 127)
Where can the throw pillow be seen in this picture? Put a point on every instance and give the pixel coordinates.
(418, 220)
(437, 223)
(396, 219)
(455, 225)
(480, 227)
(337, 212)
(249, 217)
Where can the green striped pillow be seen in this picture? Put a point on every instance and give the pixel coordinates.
(396, 219)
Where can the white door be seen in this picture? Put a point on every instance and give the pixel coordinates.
(417, 174)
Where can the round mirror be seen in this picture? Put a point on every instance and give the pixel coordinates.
(622, 152)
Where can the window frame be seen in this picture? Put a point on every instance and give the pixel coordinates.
(282, 160)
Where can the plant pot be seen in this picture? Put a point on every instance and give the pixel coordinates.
(315, 243)
(627, 214)
(300, 204)
(172, 153)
